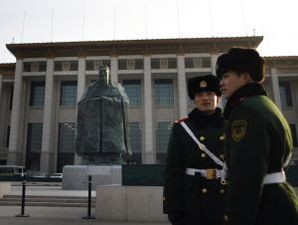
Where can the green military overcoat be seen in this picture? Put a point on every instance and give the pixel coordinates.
(200, 201)
(258, 142)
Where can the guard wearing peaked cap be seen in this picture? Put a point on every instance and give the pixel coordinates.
(195, 185)
(203, 83)
(258, 145)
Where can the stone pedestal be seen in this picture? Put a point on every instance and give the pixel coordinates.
(130, 203)
(5, 188)
(75, 177)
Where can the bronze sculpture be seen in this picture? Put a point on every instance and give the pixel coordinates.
(102, 122)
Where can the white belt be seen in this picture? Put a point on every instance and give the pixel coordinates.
(206, 173)
(272, 178)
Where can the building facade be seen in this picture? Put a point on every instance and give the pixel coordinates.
(39, 93)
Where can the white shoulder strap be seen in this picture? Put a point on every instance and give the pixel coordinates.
(202, 146)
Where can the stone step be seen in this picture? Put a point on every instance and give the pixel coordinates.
(46, 204)
(49, 197)
(51, 201)
(29, 199)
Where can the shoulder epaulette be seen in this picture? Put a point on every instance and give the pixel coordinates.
(238, 101)
(183, 119)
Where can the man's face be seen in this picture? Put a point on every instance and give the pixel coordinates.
(230, 82)
(206, 101)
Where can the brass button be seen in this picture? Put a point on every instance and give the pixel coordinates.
(202, 138)
(226, 218)
(223, 182)
(222, 137)
(204, 190)
(203, 155)
(222, 156)
(222, 191)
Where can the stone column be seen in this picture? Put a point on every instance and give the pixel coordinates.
(181, 83)
(223, 100)
(47, 153)
(114, 69)
(15, 150)
(80, 91)
(275, 88)
(213, 63)
(81, 78)
(148, 157)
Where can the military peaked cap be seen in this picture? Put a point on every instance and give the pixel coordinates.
(203, 83)
(241, 60)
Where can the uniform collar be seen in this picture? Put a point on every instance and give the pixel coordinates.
(202, 119)
(249, 90)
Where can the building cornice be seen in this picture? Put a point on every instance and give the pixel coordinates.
(281, 62)
(278, 62)
(131, 47)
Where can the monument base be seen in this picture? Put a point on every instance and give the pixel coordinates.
(75, 177)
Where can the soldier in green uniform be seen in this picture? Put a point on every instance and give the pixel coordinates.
(258, 145)
(194, 187)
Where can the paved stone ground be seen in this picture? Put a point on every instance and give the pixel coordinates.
(46, 221)
(53, 215)
(48, 190)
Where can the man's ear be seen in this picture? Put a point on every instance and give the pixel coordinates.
(246, 77)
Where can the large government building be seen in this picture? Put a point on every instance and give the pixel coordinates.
(39, 93)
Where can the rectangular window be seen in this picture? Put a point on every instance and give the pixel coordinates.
(164, 63)
(95, 64)
(285, 94)
(155, 64)
(121, 64)
(36, 66)
(66, 65)
(27, 66)
(139, 64)
(67, 137)
(163, 92)
(130, 64)
(197, 62)
(294, 134)
(172, 63)
(7, 136)
(135, 141)
(162, 135)
(133, 90)
(68, 95)
(34, 139)
(11, 98)
(66, 145)
(37, 93)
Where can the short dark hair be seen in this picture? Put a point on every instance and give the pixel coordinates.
(242, 60)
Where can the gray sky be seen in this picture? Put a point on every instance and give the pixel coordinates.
(27, 21)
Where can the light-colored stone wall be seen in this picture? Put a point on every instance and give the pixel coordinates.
(129, 203)
(5, 188)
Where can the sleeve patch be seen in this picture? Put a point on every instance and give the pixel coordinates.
(238, 130)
